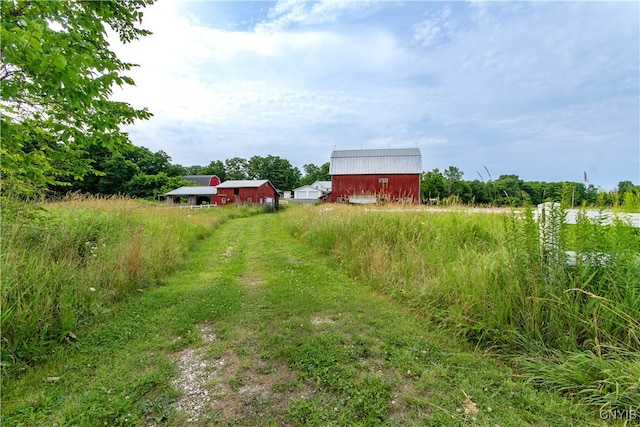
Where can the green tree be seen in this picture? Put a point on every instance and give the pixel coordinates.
(217, 168)
(148, 162)
(57, 72)
(479, 192)
(313, 173)
(237, 168)
(508, 190)
(624, 186)
(118, 171)
(463, 190)
(112, 171)
(276, 169)
(195, 170)
(573, 193)
(433, 185)
(592, 195)
(452, 175)
(534, 191)
(150, 186)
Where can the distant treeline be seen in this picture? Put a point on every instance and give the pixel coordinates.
(139, 172)
(509, 190)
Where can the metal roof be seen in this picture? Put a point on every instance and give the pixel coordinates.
(199, 179)
(311, 187)
(193, 191)
(324, 184)
(377, 161)
(243, 183)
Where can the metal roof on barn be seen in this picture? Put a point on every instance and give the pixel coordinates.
(243, 183)
(193, 191)
(200, 179)
(377, 161)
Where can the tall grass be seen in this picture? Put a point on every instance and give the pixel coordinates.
(65, 262)
(486, 278)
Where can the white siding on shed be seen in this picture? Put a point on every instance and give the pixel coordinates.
(306, 192)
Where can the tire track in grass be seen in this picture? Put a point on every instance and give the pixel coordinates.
(259, 329)
(310, 346)
(225, 379)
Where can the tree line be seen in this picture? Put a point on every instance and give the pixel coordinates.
(139, 172)
(509, 190)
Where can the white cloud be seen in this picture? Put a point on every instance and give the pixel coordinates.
(464, 83)
(434, 30)
(288, 13)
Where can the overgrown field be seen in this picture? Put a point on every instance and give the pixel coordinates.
(65, 262)
(571, 328)
(483, 277)
(257, 328)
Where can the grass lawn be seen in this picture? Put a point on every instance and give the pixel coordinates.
(259, 329)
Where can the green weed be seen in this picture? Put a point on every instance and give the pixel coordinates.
(65, 262)
(488, 278)
(284, 336)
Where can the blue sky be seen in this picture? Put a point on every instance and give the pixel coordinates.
(544, 90)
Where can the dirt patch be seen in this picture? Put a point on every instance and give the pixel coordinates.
(251, 283)
(206, 332)
(321, 320)
(237, 387)
(195, 373)
(228, 252)
(293, 260)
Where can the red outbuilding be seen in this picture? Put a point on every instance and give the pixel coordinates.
(203, 180)
(259, 192)
(375, 176)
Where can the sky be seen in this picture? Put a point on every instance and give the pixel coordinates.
(548, 91)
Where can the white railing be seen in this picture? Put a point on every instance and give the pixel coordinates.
(196, 206)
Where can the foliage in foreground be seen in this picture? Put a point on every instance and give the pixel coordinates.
(58, 72)
(574, 328)
(65, 262)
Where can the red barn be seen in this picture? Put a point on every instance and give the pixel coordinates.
(372, 176)
(259, 192)
(203, 180)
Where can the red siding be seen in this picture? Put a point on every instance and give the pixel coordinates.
(397, 187)
(257, 195)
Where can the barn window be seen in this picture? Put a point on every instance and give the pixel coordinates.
(249, 199)
(383, 180)
(341, 200)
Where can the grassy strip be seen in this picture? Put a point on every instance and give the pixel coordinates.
(119, 370)
(63, 263)
(276, 335)
(485, 279)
